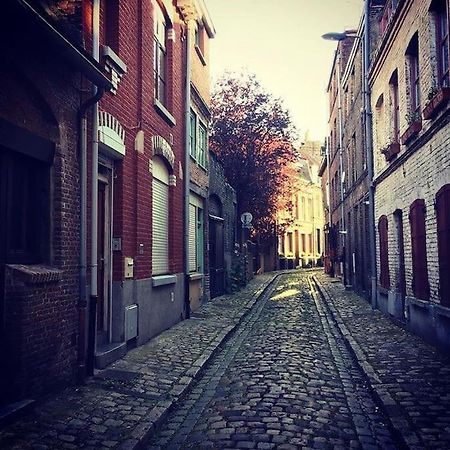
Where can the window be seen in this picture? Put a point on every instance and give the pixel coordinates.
(202, 144)
(198, 140)
(290, 243)
(111, 23)
(395, 113)
(303, 243)
(384, 254)
(420, 285)
(414, 79)
(442, 42)
(25, 208)
(443, 235)
(310, 209)
(196, 231)
(160, 56)
(193, 136)
(160, 218)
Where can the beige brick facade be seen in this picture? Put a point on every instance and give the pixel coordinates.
(421, 167)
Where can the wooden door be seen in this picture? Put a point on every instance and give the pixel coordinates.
(101, 272)
(443, 235)
(216, 252)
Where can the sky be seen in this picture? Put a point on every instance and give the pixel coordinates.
(280, 41)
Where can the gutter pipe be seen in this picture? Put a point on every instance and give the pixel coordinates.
(82, 304)
(187, 174)
(94, 199)
(369, 154)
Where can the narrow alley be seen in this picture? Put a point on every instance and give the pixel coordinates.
(273, 366)
(284, 377)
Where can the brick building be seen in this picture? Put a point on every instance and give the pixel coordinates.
(202, 29)
(40, 105)
(334, 167)
(143, 140)
(410, 87)
(302, 244)
(222, 229)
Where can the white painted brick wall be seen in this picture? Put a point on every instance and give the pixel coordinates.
(428, 169)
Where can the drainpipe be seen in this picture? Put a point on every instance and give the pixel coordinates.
(187, 173)
(341, 165)
(82, 304)
(94, 198)
(369, 154)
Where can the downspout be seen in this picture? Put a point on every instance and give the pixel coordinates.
(369, 154)
(187, 173)
(342, 230)
(82, 303)
(94, 197)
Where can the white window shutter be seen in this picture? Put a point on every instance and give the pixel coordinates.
(192, 238)
(160, 228)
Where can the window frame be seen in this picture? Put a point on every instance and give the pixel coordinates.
(160, 56)
(414, 75)
(442, 42)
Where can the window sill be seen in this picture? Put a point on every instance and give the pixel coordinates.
(195, 276)
(164, 113)
(163, 280)
(418, 303)
(36, 274)
(200, 55)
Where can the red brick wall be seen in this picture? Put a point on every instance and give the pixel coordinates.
(133, 107)
(41, 319)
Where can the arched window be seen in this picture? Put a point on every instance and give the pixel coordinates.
(160, 217)
(420, 285)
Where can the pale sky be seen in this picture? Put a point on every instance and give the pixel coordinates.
(279, 41)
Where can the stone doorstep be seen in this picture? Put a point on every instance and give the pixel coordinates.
(391, 409)
(144, 431)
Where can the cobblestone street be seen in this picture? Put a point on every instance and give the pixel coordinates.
(284, 380)
(294, 360)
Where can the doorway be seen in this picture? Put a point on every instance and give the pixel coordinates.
(401, 280)
(104, 256)
(216, 248)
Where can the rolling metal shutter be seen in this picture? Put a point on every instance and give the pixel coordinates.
(160, 228)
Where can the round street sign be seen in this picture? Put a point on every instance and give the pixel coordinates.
(246, 218)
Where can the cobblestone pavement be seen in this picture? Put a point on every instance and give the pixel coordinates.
(410, 377)
(285, 379)
(120, 406)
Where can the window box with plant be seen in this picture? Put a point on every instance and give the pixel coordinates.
(391, 151)
(437, 99)
(414, 126)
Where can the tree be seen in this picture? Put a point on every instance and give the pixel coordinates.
(252, 135)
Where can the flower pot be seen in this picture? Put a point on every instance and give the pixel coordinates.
(391, 151)
(413, 130)
(436, 103)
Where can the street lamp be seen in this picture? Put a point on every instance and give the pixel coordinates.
(340, 37)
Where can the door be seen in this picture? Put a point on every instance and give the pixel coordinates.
(216, 270)
(443, 235)
(401, 283)
(103, 259)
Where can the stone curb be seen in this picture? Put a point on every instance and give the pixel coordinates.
(143, 432)
(399, 422)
